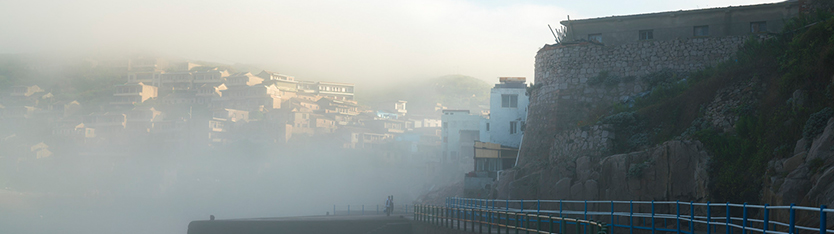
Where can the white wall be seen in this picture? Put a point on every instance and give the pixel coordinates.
(500, 117)
(452, 122)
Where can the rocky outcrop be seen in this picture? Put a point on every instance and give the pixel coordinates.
(672, 170)
(806, 178)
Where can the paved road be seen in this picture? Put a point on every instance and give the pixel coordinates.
(348, 224)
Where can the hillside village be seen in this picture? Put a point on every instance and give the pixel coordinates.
(203, 106)
(160, 107)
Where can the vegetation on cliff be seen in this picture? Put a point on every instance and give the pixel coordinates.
(787, 87)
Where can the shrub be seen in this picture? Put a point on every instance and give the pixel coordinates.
(637, 170)
(816, 123)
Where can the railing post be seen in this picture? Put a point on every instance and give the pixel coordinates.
(561, 225)
(489, 223)
(612, 216)
(727, 224)
(521, 204)
(473, 220)
(586, 216)
(464, 219)
(678, 217)
(691, 217)
(631, 217)
(517, 225)
(709, 218)
(592, 227)
(823, 220)
(653, 229)
(792, 224)
(744, 219)
(550, 222)
(538, 212)
(766, 219)
(480, 226)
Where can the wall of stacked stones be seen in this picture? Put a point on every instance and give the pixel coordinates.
(592, 141)
(563, 71)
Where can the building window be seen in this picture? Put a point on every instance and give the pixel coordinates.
(509, 100)
(487, 127)
(758, 27)
(646, 34)
(445, 125)
(700, 31)
(513, 127)
(595, 37)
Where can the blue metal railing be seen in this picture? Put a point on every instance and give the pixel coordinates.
(659, 216)
(375, 209)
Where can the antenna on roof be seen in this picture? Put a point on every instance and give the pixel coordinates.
(554, 33)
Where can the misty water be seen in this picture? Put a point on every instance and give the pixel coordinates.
(161, 193)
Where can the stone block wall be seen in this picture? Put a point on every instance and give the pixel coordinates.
(565, 97)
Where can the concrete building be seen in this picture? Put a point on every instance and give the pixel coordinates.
(142, 119)
(456, 123)
(270, 75)
(712, 22)
(175, 81)
(128, 94)
(223, 122)
(337, 91)
(332, 90)
(507, 112)
(243, 79)
(206, 93)
(107, 123)
(213, 77)
(250, 98)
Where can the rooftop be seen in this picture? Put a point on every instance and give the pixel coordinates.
(674, 13)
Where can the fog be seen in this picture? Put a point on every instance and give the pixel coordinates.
(367, 42)
(143, 183)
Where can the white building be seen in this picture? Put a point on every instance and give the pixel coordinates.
(507, 112)
(459, 132)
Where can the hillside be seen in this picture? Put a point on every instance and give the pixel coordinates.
(757, 128)
(452, 91)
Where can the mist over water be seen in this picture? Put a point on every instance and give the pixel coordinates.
(162, 193)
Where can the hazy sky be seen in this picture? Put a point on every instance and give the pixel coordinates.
(353, 41)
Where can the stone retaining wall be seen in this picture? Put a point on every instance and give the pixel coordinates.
(563, 72)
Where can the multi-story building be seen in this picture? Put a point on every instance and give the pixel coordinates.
(251, 98)
(711, 22)
(269, 75)
(208, 92)
(128, 94)
(337, 91)
(142, 119)
(212, 77)
(332, 90)
(457, 125)
(222, 124)
(507, 112)
(243, 79)
(107, 123)
(175, 81)
(329, 105)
